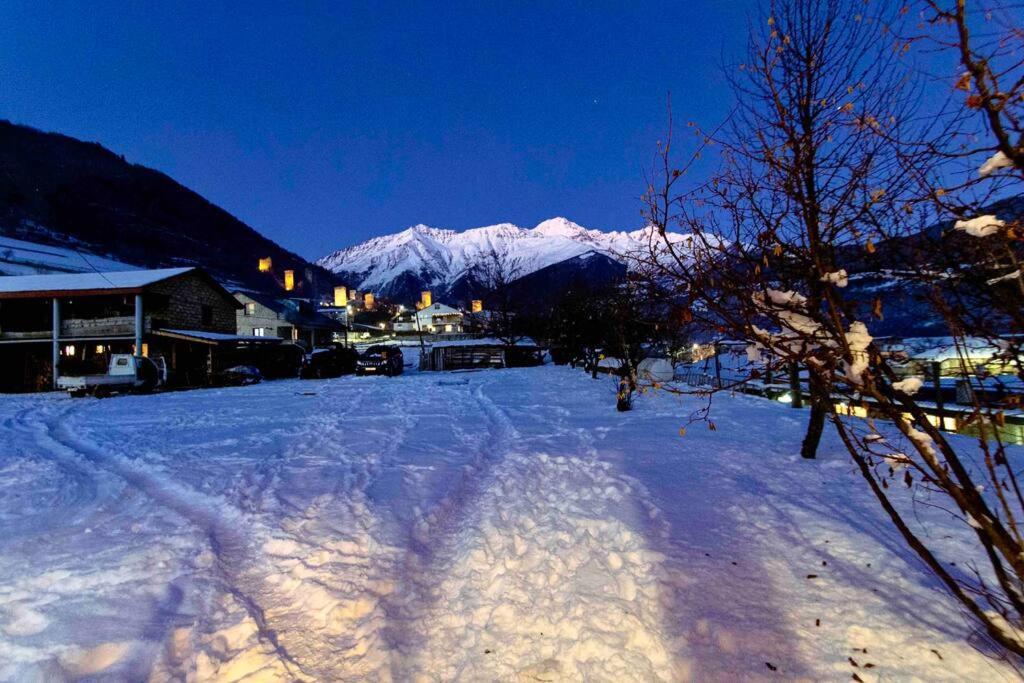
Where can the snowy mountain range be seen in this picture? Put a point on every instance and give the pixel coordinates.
(400, 265)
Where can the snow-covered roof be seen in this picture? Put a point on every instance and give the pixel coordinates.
(203, 335)
(85, 282)
(436, 309)
(946, 348)
(485, 341)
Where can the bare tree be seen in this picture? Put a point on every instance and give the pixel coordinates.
(816, 184)
(494, 275)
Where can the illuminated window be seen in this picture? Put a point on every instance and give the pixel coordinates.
(250, 309)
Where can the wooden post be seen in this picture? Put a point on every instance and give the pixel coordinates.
(138, 324)
(55, 352)
(936, 368)
(794, 386)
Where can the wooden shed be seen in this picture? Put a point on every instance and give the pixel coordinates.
(469, 354)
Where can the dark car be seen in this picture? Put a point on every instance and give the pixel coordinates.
(380, 360)
(329, 361)
(237, 376)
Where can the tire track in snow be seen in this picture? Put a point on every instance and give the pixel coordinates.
(323, 561)
(539, 579)
(227, 543)
(332, 567)
(416, 571)
(308, 582)
(77, 490)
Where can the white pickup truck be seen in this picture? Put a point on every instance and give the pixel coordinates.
(125, 373)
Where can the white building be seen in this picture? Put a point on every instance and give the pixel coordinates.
(439, 318)
(433, 319)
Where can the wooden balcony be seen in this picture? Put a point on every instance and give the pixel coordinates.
(82, 328)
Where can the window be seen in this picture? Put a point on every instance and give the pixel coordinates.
(250, 309)
(259, 332)
(207, 313)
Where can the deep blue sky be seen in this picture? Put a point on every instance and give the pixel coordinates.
(322, 125)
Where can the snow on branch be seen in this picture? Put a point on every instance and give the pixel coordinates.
(981, 226)
(838, 278)
(994, 163)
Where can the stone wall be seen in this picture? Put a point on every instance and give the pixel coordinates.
(262, 317)
(186, 295)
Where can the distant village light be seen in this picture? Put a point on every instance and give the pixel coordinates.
(368, 302)
(425, 299)
(266, 264)
(289, 280)
(477, 306)
(341, 297)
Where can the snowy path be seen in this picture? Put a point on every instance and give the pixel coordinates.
(500, 525)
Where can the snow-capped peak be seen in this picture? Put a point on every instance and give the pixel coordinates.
(436, 257)
(559, 226)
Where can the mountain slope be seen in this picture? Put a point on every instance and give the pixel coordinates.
(59, 191)
(400, 265)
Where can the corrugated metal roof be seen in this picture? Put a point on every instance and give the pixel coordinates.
(80, 282)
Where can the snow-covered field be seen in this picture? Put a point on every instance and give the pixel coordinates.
(499, 525)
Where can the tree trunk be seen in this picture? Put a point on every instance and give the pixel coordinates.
(816, 423)
(627, 385)
(624, 400)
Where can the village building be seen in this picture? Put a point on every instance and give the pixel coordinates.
(71, 323)
(438, 318)
(404, 322)
(295, 320)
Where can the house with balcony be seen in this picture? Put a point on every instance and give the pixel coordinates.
(295, 320)
(438, 318)
(70, 323)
